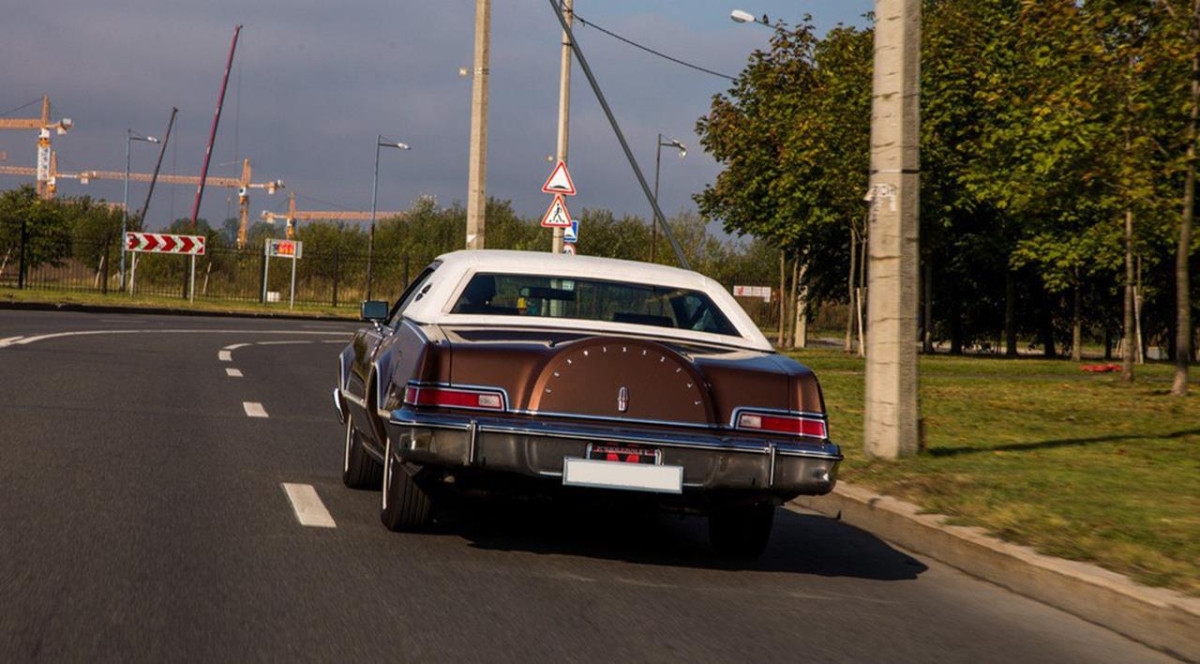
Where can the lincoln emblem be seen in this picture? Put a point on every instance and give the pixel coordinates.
(623, 399)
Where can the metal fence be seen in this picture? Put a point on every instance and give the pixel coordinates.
(323, 278)
(332, 278)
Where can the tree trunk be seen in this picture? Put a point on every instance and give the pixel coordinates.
(800, 330)
(1010, 313)
(794, 304)
(927, 319)
(1183, 305)
(956, 331)
(782, 297)
(1077, 325)
(863, 294)
(851, 306)
(1047, 319)
(1128, 342)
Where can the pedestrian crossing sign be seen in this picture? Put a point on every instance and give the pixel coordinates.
(557, 215)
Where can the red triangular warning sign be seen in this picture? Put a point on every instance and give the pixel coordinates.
(559, 181)
(557, 215)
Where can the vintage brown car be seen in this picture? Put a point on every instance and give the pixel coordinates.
(542, 373)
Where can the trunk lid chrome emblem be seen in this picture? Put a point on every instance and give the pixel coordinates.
(622, 399)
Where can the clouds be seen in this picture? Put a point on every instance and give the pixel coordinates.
(315, 81)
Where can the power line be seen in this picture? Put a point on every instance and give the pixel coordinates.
(21, 107)
(339, 206)
(651, 51)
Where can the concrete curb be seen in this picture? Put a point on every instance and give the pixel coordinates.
(1162, 619)
(165, 311)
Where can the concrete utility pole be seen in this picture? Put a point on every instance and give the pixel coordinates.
(477, 178)
(564, 106)
(892, 410)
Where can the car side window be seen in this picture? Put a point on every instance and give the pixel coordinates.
(415, 291)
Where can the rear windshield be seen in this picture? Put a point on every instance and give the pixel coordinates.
(589, 299)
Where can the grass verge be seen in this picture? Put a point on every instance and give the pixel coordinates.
(1040, 453)
(12, 295)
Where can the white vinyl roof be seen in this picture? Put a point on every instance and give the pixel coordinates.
(458, 267)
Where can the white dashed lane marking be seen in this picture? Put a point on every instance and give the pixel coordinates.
(254, 409)
(233, 373)
(225, 356)
(307, 505)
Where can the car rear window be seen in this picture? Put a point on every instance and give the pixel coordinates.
(591, 299)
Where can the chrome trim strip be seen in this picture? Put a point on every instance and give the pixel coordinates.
(361, 403)
(771, 467)
(473, 429)
(380, 397)
(609, 418)
(418, 384)
(407, 418)
(733, 418)
(337, 405)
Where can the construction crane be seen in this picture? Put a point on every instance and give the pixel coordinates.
(45, 175)
(293, 215)
(242, 184)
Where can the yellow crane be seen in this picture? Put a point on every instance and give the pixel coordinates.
(293, 215)
(243, 184)
(45, 174)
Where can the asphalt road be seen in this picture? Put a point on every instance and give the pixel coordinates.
(143, 518)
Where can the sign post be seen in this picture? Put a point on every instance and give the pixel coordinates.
(292, 249)
(164, 243)
(559, 184)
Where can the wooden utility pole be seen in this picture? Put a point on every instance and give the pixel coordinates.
(477, 177)
(564, 105)
(892, 412)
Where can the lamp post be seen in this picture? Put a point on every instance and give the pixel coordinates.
(379, 143)
(672, 143)
(129, 139)
(739, 16)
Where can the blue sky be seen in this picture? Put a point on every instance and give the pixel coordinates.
(315, 81)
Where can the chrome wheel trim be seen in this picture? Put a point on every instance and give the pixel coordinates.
(387, 473)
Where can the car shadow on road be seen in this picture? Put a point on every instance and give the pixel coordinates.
(800, 544)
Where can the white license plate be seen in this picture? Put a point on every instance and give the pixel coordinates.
(621, 475)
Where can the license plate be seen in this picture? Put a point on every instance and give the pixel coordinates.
(623, 453)
(622, 475)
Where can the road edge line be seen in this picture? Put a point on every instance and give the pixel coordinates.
(1162, 619)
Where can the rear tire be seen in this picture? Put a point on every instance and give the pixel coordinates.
(741, 531)
(359, 470)
(405, 506)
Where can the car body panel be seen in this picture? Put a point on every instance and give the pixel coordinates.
(567, 384)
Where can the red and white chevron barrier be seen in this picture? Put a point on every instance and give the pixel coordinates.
(163, 243)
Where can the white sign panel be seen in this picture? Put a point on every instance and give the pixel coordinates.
(763, 292)
(559, 182)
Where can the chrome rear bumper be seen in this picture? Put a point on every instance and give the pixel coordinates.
(711, 460)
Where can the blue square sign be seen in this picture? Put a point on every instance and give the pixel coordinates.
(571, 234)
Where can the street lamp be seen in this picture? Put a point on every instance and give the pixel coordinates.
(379, 143)
(739, 16)
(130, 137)
(672, 143)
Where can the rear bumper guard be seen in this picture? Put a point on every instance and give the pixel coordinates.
(710, 460)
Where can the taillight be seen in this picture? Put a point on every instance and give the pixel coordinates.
(796, 425)
(454, 397)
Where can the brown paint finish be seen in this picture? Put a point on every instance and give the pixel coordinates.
(664, 384)
(587, 377)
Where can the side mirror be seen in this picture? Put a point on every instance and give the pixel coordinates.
(375, 311)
